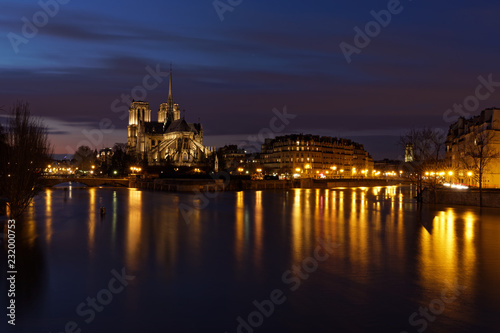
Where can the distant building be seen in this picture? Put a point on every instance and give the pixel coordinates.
(232, 156)
(409, 152)
(388, 166)
(315, 155)
(170, 139)
(104, 156)
(459, 135)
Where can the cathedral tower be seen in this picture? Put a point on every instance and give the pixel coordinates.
(138, 114)
(169, 111)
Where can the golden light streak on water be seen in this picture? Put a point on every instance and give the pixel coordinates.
(259, 232)
(133, 229)
(48, 215)
(239, 243)
(92, 219)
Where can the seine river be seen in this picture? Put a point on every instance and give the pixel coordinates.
(302, 260)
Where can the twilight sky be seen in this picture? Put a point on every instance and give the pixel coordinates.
(232, 73)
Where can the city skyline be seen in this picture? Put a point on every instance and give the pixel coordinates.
(232, 73)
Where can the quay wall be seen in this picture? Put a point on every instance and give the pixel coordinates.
(212, 185)
(491, 198)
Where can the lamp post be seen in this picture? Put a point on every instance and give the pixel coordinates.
(334, 169)
(307, 167)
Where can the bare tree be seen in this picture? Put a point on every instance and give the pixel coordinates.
(477, 154)
(121, 160)
(84, 158)
(24, 153)
(426, 148)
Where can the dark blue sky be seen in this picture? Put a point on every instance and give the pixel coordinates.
(263, 55)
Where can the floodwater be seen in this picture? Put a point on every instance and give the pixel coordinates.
(301, 260)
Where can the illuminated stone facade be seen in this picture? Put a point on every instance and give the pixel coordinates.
(170, 139)
(316, 155)
(461, 134)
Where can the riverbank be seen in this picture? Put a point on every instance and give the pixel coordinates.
(212, 185)
(491, 197)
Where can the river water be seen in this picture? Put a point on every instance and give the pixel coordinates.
(301, 260)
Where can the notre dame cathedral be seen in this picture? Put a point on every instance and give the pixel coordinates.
(170, 139)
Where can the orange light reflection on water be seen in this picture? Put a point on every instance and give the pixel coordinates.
(133, 229)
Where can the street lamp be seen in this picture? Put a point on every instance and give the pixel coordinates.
(307, 167)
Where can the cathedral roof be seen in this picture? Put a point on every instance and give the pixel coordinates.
(180, 125)
(153, 127)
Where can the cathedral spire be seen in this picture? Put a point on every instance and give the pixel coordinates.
(170, 101)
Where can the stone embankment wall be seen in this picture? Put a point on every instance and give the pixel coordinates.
(211, 185)
(491, 198)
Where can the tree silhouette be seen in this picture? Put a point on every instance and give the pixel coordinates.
(84, 158)
(477, 153)
(427, 145)
(24, 152)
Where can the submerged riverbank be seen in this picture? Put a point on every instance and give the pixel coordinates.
(212, 185)
(470, 197)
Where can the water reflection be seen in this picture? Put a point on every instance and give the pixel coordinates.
(239, 240)
(259, 232)
(383, 241)
(91, 224)
(48, 216)
(134, 221)
(448, 251)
